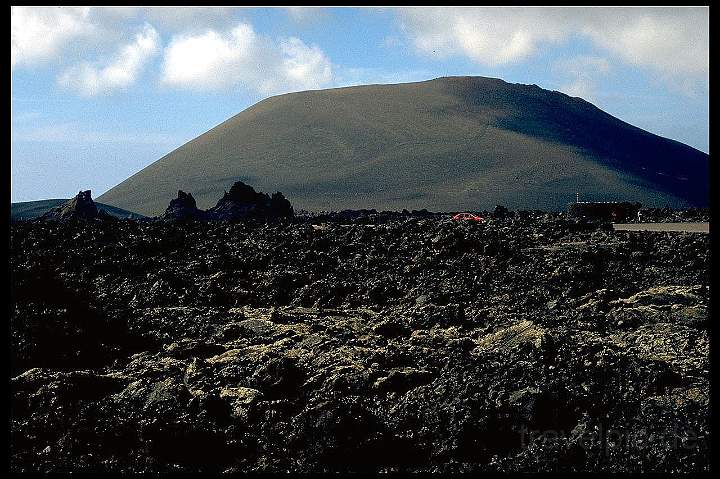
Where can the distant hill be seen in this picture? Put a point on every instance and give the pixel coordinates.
(445, 144)
(26, 210)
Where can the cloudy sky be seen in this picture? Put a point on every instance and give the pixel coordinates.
(99, 93)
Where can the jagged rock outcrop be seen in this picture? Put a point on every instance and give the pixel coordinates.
(183, 208)
(242, 201)
(81, 206)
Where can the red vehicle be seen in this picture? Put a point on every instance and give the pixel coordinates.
(467, 217)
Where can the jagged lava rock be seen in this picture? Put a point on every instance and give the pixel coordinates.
(243, 201)
(183, 208)
(384, 343)
(81, 206)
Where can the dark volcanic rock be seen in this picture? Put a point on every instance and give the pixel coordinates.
(183, 208)
(371, 342)
(500, 212)
(244, 202)
(81, 206)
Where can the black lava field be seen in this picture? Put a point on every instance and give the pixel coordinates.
(367, 342)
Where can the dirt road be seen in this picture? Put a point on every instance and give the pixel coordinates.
(685, 227)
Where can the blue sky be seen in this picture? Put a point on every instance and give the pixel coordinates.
(98, 94)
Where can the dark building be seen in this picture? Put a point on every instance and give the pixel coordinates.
(615, 211)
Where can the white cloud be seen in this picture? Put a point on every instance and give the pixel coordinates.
(38, 34)
(583, 87)
(671, 41)
(306, 15)
(304, 65)
(165, 19)
(205, 51)
(59, 36)
(491, 36)
(584, 72)
(190, 18)
(91, 79)
(241, 57)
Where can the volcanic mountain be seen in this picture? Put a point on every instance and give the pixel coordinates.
(452, 143)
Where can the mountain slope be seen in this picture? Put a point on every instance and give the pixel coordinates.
(26, 210)
(444, 144)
